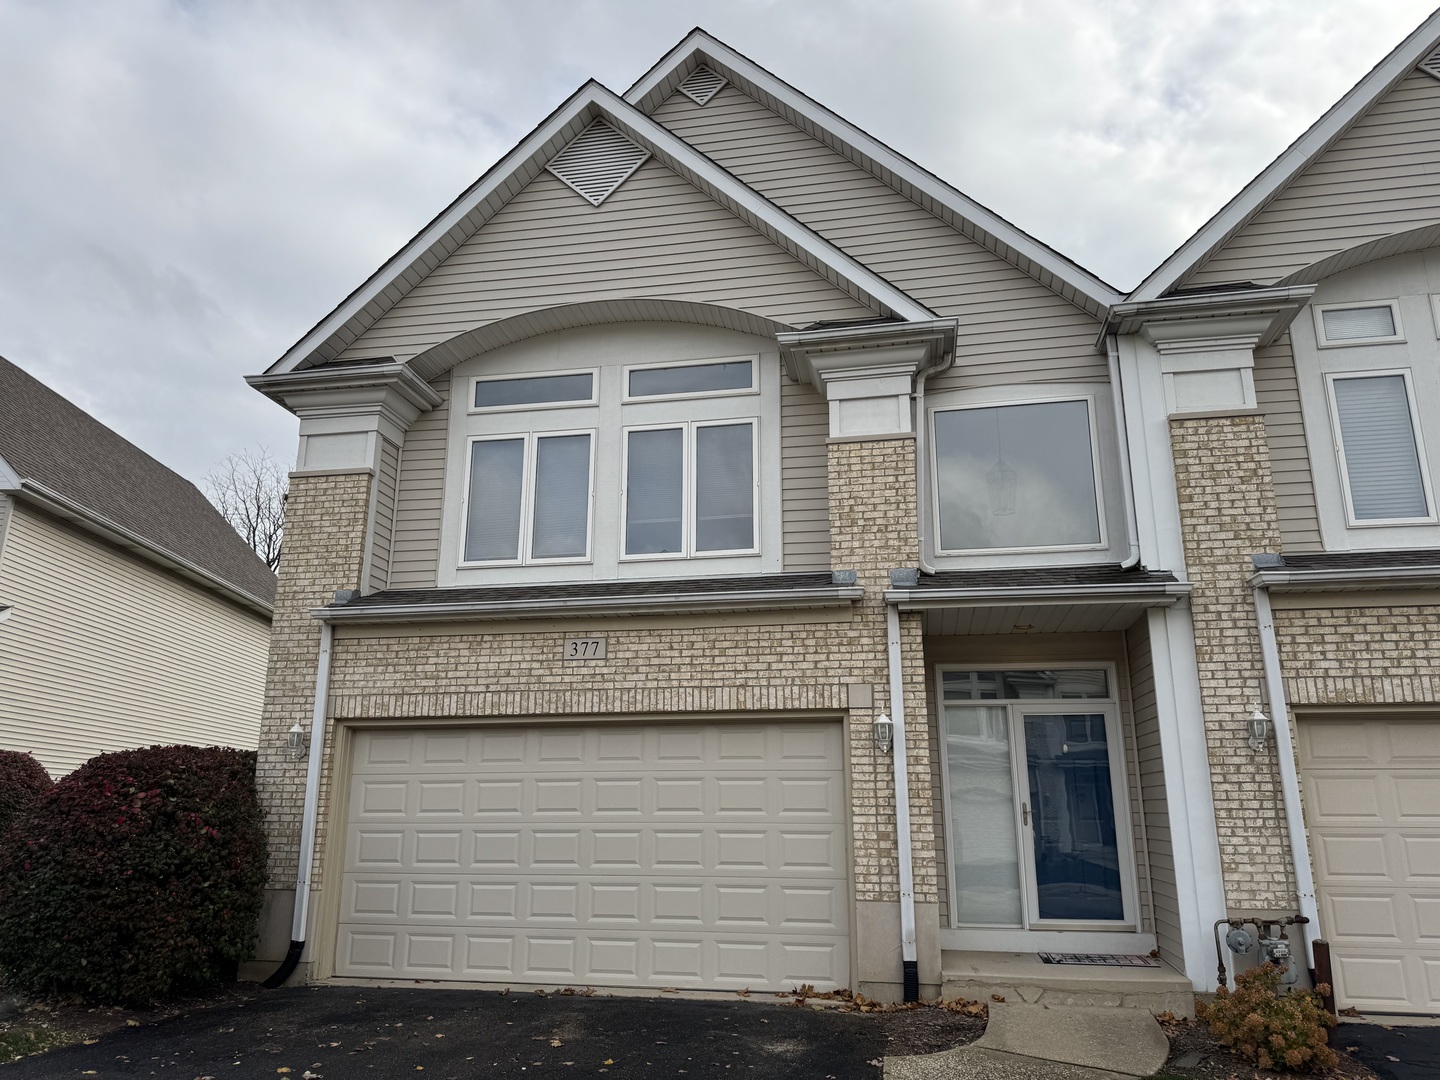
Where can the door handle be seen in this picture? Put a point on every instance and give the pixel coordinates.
(1025, 814)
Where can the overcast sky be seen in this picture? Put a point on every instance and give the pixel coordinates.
(187, 187)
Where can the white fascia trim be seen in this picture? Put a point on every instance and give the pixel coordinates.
(719, 55)
(1283, 302)
(55, 503)
(674, 152)
(1315, 580)
(1160, 594)
(662, 603)
(1256, 194)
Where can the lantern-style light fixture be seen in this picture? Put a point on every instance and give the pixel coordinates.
(1259, 726)
(297, 741)
(884, 733)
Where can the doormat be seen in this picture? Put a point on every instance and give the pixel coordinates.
(1099, 959)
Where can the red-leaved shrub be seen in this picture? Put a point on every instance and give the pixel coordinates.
(1281, 1029)
(136, 877)
(22, 781)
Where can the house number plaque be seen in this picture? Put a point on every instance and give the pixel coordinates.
(584, 648)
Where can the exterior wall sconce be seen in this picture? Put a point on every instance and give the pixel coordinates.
(297, 741)
(1259, 730)
(884, 733)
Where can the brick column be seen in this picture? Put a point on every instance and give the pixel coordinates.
(1227, 513)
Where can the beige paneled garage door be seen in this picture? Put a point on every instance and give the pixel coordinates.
(681, 855)
(1372, 802)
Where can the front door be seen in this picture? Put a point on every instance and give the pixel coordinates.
(1037, 813)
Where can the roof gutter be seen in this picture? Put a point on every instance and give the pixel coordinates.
(1296, 580)
(53, 502)
(1159, 594)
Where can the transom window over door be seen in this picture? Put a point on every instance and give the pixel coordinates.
(1016, 477)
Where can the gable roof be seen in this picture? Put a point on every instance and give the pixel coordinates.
(57, 455)
(1257, 194)
(482, 200)
(979, 223)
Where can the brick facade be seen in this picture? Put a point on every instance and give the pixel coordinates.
(1227, 514)
(1360, 656)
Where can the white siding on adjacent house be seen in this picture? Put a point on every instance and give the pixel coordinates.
(1012, 328)
(382, 516)
(104, 652)
(420, 497)
(1380, 177)
(1278, 394)
(804, 483)
(1152, 807)
(657, 236)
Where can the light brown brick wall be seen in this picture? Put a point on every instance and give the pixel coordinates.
(324, 539)
(1360, 656)
(1227, 513)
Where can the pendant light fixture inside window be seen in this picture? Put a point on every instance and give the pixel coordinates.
(1001, 479)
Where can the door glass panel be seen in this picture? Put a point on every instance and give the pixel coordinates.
(1072, 814)
(1065, 684)
(983, 846)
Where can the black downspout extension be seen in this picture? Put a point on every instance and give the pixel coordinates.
(912, 979)
(292, 960)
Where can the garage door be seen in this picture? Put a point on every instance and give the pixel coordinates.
(1372, 802)
(665, 855)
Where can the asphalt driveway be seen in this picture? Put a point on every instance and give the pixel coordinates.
(336, 1033)
(1395, 1053)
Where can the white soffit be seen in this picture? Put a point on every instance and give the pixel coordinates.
(702, 84)
(597, 161)
(1416, 51)
(951, 206)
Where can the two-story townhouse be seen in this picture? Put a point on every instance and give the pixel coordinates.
(709, 480)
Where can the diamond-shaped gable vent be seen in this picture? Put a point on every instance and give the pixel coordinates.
(597, 161)
(1431, 64)
(701, 85)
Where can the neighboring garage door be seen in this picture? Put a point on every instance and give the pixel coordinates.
(663, 855)
(1372, 802)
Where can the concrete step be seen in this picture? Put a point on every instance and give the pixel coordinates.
(1023, 978)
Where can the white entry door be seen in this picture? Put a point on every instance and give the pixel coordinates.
(1038, 821)
(663, 855)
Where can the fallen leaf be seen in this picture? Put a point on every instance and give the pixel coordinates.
(1391, 1057)
(132, 1023)
(308, 1075)
(284, 1069)
(91, 1042)
(608, 1061)
(554, 1042)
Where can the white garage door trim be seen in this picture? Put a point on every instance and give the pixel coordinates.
(1372, 805)
(687, 855)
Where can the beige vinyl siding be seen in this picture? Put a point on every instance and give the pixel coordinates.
(105, 652)
(804, 484)
(1382, 176)
(1277, 392)
(656, 237)
(1012, 328)
(1154, 810)
(382, 516)
(420, 497)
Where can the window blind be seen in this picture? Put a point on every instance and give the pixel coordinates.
(1382, 461)
(654, 491)
(562, 497)
(1359, 323)
(724, 488)
(492, 516)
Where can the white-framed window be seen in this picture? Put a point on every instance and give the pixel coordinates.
(1367, 322)
(1379, 449)
(529, 498)
(557, 389)
(1016, 476)
(691, 378)
(691, 489)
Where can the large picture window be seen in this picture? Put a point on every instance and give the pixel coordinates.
(690, 489)
(529, 498)
(1381, 463)
(1016, 477)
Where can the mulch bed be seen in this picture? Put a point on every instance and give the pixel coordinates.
(1195, 1055)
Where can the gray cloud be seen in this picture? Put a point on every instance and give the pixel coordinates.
(186, 188)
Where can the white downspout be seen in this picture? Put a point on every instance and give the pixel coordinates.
(1289, 780)
(908, 954)
(300, 921)
(922, 462)
(1127, 484)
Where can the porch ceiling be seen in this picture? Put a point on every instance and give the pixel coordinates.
(1032, 619)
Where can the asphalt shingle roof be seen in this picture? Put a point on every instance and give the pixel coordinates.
(48, 440)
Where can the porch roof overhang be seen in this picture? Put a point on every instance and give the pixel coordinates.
(1347, 571)
(1039, 600)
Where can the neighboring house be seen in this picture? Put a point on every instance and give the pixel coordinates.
(131, 613)
(704, 437)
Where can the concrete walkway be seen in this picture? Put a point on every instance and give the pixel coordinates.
(1038, 1042)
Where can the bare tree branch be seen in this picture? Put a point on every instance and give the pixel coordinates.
(249, 490)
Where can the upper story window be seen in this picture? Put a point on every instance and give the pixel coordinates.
(1382, 463)
(1367, 323)
(645, 450)
(1017, 477)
